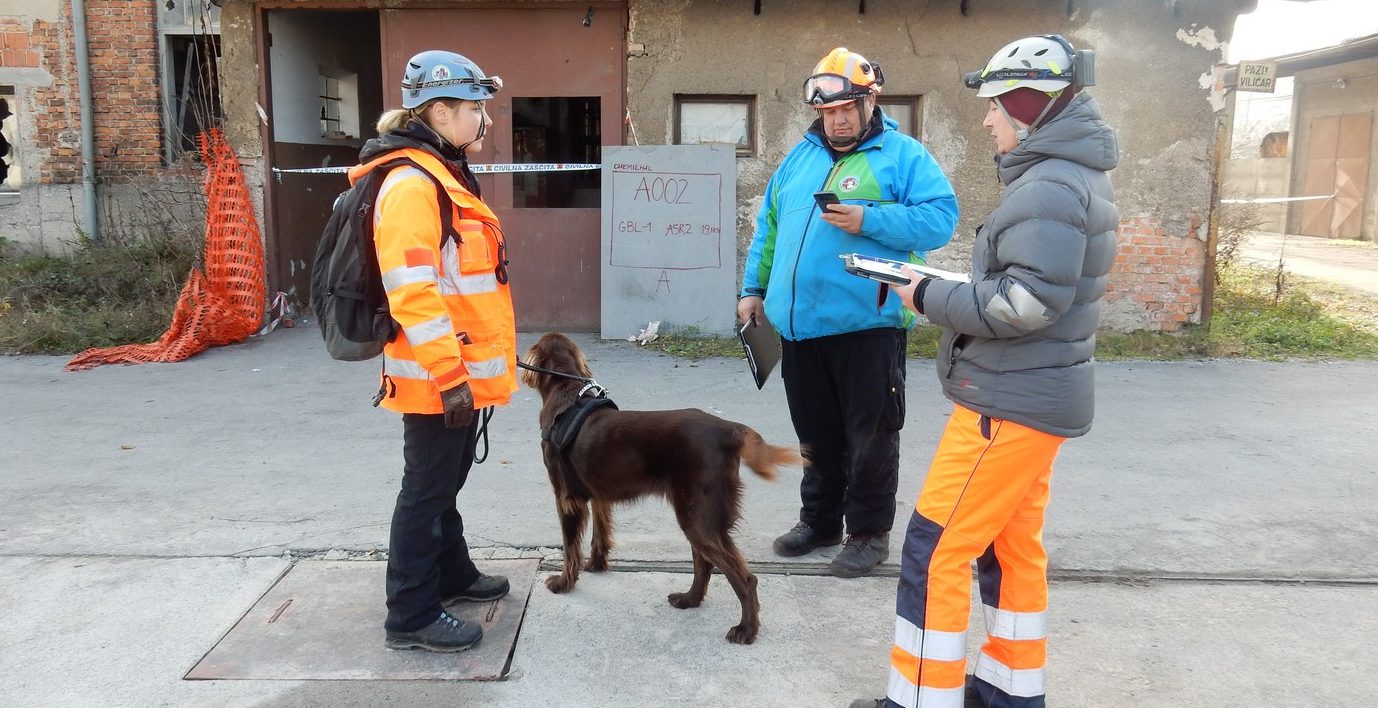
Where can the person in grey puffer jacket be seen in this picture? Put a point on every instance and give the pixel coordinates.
(1016, 361)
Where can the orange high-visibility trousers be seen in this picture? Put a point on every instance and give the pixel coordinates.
(983, 500)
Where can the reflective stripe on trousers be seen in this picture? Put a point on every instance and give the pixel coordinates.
(983, 500)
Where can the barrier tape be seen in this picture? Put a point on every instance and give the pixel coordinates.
(478, 169)
(1274, 200)
(284, 316)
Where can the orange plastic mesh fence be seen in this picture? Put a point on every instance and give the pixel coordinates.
(224, 304)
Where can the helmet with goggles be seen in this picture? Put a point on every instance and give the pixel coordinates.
(439, 74)
(841, 77)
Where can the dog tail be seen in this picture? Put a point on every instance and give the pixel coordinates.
(763, 458)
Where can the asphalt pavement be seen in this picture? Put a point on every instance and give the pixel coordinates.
(1211, 539)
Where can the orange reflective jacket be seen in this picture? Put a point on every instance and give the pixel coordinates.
(451, 299)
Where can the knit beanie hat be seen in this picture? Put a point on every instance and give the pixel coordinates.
(1024, 104)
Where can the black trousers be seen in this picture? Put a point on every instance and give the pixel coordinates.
(846, 399)
(427, 556)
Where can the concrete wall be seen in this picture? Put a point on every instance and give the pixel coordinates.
(1257, 178)
(1152, 57)
(1346, 88)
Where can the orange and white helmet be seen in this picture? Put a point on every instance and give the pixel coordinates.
(841, 77)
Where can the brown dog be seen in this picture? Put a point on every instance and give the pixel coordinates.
(687, 456)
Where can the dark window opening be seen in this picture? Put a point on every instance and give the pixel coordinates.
(557, 130)
(330, 107)
(194, 100)
(10, 178)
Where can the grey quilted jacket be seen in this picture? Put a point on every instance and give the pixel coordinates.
(1021, 335)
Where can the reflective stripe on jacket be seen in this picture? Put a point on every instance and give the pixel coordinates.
(456, 317)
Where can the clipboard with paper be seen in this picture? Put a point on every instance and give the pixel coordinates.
(762, 347)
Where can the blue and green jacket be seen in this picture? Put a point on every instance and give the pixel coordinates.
(794, 258)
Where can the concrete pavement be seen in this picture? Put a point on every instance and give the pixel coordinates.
(1211, 539)
(1353, 264)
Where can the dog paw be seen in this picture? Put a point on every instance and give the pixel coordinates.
(596, 565)
(558, 584)
(742, 634)
(683, 600)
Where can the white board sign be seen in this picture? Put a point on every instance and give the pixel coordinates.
(1258, 76)
(669, 241)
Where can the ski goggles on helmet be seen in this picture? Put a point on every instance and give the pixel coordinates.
(974, 79)
(822, 90)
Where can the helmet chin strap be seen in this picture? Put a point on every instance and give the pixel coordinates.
(1023, 133)
(482, 129)
(860, 104)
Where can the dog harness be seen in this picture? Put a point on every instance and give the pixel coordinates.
(566, 427)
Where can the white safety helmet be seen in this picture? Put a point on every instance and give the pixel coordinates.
(1043, 63)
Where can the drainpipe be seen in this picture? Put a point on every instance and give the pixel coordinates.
(88, 128)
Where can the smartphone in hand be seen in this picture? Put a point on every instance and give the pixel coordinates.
(824, 199)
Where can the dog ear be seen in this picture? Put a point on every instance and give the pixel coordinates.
(582, 364)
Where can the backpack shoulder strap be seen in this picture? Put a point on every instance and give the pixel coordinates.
(442, 197)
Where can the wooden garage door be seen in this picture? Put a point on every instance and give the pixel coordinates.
(564, 73)
(1336, 162)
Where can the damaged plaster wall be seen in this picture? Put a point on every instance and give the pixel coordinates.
(239, 86)
(1150, 55)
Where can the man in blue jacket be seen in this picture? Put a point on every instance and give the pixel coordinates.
(843, 356)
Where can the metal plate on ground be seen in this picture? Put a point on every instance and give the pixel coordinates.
(324, 620)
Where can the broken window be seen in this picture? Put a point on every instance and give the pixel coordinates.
(10, 177)
(192, 85)
(339, 97)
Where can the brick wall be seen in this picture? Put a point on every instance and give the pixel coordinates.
(123, 50)
(1159, 272)
(15, 48)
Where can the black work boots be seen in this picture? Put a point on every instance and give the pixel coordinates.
(486, 589)
(803, 538)
(860, 555)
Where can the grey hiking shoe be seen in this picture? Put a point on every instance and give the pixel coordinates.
(486, 589)
(860, 555)
(803, 538)
(445, 634)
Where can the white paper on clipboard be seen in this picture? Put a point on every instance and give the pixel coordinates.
(888, 271)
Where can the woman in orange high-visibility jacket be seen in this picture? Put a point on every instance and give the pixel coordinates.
(1016, 361)
(456, 349)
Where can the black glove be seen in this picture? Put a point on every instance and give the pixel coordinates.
(459, 405)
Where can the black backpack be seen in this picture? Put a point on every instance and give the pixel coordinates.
(347, 294)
